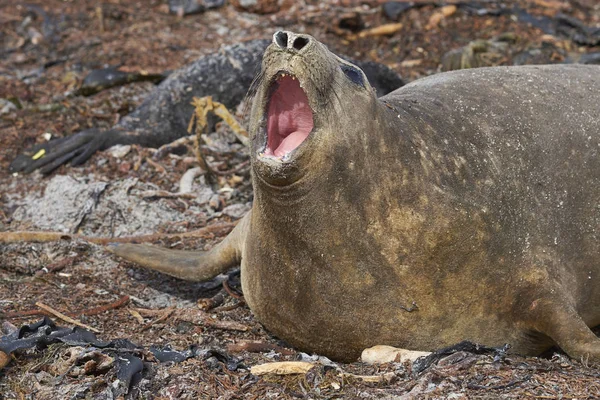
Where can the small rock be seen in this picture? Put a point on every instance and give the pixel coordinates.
(257, 6)
(8, 328)
(236, 210)
(385, 354)
(351, 21)
(461, 360)
(6, 106)
(35, 36)
(393, 9)
(282, 368)
(119, 151)
(215, 202)
(212, 363)
(184, 327)
(204, 195)
(187, 7)
(478, 53)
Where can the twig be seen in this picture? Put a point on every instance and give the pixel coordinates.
(233, 170)
(100, 16)
(225, 325)
(230, 307)
(156, 165)
(258, 347)
(163, 317)
(23, 314)
(136, 315)
(381, 30)
(146, 312)
(62, 264)
(209, 304)
(233, 293)
(499, 387)
(187, 180)
(110, 306)
(65, 317)
(41, 236)
(164, 194)
(198, 317)
(93, 311)
(58, 266)
(386, 377)
(168, 148)
(202, 107)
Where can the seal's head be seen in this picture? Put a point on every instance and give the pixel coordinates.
(302, 93)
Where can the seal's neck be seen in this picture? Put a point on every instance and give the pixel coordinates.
(345, 160)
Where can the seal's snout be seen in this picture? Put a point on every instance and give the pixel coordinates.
(291, 41)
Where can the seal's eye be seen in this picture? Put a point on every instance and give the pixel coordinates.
(353, 74)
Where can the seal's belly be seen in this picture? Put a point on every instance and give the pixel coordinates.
(340, 313)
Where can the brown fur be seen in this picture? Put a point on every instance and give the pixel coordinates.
(465, 205)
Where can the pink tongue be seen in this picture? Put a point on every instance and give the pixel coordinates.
(289, 118)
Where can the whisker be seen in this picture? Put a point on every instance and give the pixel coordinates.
(252, 90)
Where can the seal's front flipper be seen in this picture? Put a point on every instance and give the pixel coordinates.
(189, 265)
(51, 155)
(566, 328)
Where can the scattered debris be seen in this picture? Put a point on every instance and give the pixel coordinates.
(385, 354)
(381, 30)
(210, 303)
(282, 368)
(478, 53)
(381, 378)
(393, 9)
(577, 31)
(258, 347)
(39, 236)
(202, 107)
(88, 355)
(257, 6)
(198, 317)
(438, 16)
(64, 317)
(421, 364)
(166, 314)
(187, 179)
(188, 7)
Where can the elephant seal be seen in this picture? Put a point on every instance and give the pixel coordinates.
(463, 206)
(165, 114)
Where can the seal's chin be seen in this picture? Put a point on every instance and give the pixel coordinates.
(289, 116)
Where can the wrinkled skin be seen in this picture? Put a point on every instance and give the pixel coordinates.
(461, 206)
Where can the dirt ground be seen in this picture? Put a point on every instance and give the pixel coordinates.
(49, 46)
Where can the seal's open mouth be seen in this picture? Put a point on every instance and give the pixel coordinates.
(289, 116)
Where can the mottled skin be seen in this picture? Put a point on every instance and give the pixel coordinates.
(465, 205)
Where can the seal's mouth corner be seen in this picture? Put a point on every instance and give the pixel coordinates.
(288, 114)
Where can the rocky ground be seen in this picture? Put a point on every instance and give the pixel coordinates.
(47, 50)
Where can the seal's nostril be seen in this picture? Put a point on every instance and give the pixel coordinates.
(300, 42)
(281, 38)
